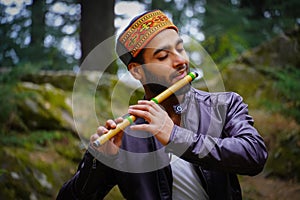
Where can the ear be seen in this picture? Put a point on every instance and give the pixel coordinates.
(136, 70)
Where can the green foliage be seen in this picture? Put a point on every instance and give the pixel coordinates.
(11, 76)
(32, 139)
(232, 27)
(287, 85)
(8, 94)
(284, 159)
(226, 48)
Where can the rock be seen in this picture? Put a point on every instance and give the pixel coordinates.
(42, 179)
(38, 174)
(61, 101)
(44, 107)
(59, 79)
(282, 51)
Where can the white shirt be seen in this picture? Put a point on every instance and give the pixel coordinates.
(186, 183)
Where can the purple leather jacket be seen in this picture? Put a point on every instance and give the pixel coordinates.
(217, 136)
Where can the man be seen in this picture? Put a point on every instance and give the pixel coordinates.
(191, 146)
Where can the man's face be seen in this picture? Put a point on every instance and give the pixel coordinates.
(165, 60)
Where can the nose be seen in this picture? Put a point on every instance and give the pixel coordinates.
(178, 59)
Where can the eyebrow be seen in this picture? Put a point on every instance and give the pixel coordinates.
(179, 41)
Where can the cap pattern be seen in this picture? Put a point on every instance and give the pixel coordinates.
(143, 29)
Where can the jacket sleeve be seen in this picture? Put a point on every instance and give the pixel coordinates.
(238, 149)
(93, 180)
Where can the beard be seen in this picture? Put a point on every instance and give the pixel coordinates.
(157, 85)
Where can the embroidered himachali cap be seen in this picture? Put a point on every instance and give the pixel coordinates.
(139, 33)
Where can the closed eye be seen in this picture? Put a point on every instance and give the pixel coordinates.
(179, 46)
(180, 50)
(162, 55)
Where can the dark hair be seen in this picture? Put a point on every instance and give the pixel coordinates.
(139, 58)
(126, 56)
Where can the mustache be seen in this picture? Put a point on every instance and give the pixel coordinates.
(179, 70)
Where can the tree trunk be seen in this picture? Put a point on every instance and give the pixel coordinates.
(37, 30)
(97, 25)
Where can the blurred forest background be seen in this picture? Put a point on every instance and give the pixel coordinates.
(255, 45)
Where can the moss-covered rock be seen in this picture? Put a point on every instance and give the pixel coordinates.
(59, 79)
(37, 172)
(281, 51)
(253, 86)
(44, 107)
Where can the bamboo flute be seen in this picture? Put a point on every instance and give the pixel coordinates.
(158, 99)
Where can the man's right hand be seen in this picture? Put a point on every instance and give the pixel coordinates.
(112, 146)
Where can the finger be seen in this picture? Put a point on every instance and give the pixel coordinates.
(145, 102)
(101, 130)
(140, 107)
(110, 124)
(140, 127)
(119, 120)
(94, 137)
(140, 113)
(118, 139)
(145, 107)
(152, 104)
